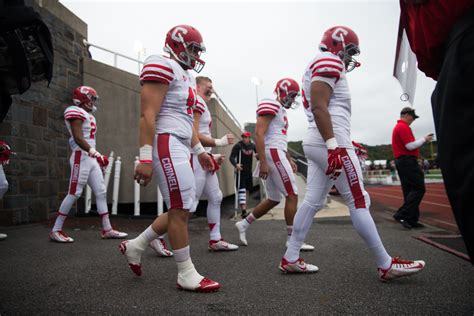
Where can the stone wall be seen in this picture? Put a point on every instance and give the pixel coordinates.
(38, 175)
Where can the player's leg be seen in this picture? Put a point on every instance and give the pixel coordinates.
(241, 181)
(317, 188)
(80, 167)
(96, 182)
(214, 200)
(3, 182)
(350, 186)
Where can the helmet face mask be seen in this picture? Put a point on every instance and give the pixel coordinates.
(184, 43)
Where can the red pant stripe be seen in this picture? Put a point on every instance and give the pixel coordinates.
(76, 167)
(282, 171)
(353, 180)
(176, 201)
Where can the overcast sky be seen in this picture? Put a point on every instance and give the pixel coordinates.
(270, 40)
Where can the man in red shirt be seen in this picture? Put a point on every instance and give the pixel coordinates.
(441, 34)
(406, 151)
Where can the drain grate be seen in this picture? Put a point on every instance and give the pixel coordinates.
(454, 244)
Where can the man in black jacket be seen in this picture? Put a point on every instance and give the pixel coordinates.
(242, 157)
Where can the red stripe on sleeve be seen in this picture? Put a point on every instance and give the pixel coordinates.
(159, 66)
(327, 59)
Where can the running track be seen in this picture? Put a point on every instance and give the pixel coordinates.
(434, 208)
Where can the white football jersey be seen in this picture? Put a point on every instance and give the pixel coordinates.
(89, 126)
(176, 113)
(205, 122)
(329, 68)
(275, 137)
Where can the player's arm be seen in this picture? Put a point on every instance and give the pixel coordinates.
(293, 164)
(151, 97)
(209, 141)
(204, 159)
(263, 122)
(76, 128)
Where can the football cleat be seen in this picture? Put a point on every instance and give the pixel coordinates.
(221, 245)
(400, 268)
(113, 234)
(3, 236)
(304, 247)
(205, 286)
(299, 266)
(242, 235)
(133, 256)
(60, 236)
(159, 245)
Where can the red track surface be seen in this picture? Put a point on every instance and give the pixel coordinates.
(434, 209)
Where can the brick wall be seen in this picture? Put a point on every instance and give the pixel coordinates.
(38, 175)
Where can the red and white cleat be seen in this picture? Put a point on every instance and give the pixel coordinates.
(299, 266)
(400, 268)
(221, 245)
(159, 245)
(60, 236)
(113, 234)
(205, 286)
(133, 256)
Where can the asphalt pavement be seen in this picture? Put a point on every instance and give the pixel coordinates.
(91, 276)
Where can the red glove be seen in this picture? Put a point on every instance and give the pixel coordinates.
(5, 152)
(103, 161)
(215, 164)
(361, 152)
(334, 163)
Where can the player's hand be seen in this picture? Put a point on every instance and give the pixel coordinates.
(429, 137)
(294, 166)
(334, 163)
(143, 173)
(219, 158)
(5, 152)
(206, 162)
(230, 138)
(103, 161)
(238, 167)
(263, 170)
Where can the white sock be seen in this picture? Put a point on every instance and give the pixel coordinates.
(248, 220)
(301, 224)
(106, 226)
(181, 255)
(289, 230)
(365, 227)
(58, 224)
(145, 238)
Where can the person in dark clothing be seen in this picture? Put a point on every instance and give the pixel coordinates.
(241, 158)
(406, 151)
(441, 34)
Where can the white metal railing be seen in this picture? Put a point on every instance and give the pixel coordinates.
(140, 63)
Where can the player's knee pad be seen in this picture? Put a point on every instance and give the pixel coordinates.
(242, 196)
(215, 197)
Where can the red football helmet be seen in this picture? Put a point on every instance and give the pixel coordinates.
(287, 91)
(343, 42)
(85, 96)
(185, 44)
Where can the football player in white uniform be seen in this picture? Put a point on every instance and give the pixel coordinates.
(275, 165)
(87, 164)
(168, 97)
(331, 156)
(207, 182)
(5, 152)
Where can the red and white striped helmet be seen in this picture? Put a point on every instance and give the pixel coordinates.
(185, 43)
(343, 42)
(287, 91)
(84, 95)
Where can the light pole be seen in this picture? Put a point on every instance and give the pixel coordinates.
(139, 49)
(256, 81)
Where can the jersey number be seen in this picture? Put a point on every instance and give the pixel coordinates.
(285, 129)
(191, 102)
(93, 129)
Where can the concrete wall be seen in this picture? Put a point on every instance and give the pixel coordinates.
(117, 122)
(39, 174)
